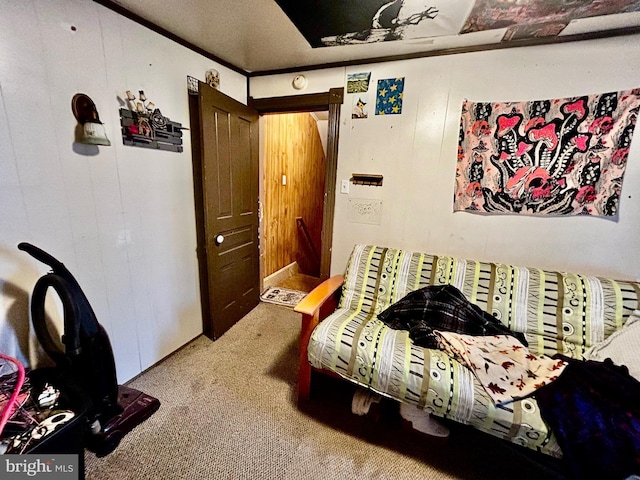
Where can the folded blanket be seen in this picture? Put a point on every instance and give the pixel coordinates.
(505, 368)
(445, 308)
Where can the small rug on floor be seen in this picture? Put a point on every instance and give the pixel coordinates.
(282, 296)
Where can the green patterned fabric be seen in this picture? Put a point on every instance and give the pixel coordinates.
(557, 312)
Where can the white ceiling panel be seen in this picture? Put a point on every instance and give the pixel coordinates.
(257, 36)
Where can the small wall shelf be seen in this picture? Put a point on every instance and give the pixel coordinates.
(162, 135)
(366, 179)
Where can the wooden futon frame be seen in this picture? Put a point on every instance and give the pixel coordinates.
(315, 307)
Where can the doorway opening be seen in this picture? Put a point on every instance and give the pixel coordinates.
(293, 164)
(298, 161)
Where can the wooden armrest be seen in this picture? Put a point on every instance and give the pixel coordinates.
(310, 304)
(314, 308)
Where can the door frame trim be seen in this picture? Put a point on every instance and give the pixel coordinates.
(314, 102)
(198, 197)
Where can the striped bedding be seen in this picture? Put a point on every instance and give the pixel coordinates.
(557, 312)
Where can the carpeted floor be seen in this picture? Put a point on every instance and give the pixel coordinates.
(229, 412)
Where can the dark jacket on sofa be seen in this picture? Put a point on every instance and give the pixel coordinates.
(441, 307)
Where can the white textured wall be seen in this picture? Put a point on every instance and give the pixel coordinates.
(416, 153)
(120, 218)
(279, 85)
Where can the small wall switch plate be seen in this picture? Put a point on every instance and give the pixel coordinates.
(284, 179)
(344, 186)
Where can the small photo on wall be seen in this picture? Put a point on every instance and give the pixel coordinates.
(359, 108)
(358, 82)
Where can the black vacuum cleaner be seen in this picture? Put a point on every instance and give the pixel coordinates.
(87, 358)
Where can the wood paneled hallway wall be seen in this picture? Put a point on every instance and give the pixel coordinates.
(293, 150)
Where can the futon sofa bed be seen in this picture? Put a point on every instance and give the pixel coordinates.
(558, 313)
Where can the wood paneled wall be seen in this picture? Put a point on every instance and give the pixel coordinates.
(292, 148)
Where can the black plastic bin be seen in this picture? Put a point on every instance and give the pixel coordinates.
(68, 439)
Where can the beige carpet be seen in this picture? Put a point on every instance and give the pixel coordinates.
(228, 412)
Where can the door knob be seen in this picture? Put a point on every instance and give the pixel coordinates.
(219, 239)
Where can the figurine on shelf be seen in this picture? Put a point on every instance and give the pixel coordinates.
(144, 128)
(130, 98)
(143, 107)
(213, 78)
(158, 121)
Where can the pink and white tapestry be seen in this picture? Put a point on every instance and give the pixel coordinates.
(545, 157)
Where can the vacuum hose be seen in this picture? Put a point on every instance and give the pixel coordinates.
(88, 356)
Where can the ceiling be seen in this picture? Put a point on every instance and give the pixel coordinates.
(256, 36)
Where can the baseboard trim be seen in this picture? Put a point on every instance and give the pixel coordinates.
(282, 274)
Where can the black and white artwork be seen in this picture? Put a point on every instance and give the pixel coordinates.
(347, 22)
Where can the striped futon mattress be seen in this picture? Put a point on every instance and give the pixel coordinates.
(558, 313)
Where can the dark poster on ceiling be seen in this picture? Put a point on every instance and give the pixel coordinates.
(346, 22)
(493, 14)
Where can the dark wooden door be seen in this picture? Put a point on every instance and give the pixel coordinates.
(229, 175)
